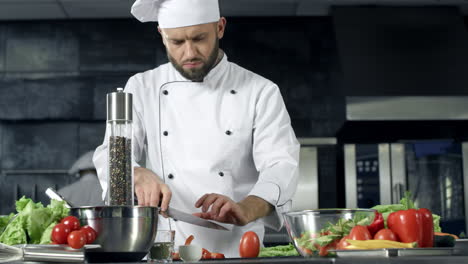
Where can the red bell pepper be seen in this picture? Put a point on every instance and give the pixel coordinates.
(407, 225)
(428, 228)
(412, 226)
(377, 224)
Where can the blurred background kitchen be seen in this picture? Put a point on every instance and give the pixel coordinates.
(377, 92)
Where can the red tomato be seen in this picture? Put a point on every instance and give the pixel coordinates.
(343, 243)
(385, 234)
(72, 222)
(89, 233)
(217, 255)
(60, 233)
(249, 246)
(175, 256)
(323, 251)
(360, 233)
(76, 239)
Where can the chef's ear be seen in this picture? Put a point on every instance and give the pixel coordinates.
(220, 27)
(162, 35)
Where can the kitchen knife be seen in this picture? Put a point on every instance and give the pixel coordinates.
(170, 212)
(191, 219)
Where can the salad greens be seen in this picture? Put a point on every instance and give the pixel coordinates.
(4, 220)
(331, 232)
(278, 251)
(34, 222)
(310, 242)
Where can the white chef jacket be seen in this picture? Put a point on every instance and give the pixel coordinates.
(230, 134)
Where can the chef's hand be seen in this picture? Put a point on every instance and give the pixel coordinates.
(221, 208)
(150, 189)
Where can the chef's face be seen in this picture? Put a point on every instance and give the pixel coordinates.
(194, 50)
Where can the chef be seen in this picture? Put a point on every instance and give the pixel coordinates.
(217, 137)
(86, 191)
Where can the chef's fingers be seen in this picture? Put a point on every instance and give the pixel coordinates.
(140, 195)
(225, 209)
(217, 206)
(233, 214)
(166, 197)
(154, 197)
(148, 194)
(208, 202)
(200, 201)
(202, 215)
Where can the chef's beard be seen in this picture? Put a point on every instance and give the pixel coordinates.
(197, 75)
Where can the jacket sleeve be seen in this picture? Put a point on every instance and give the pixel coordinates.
(276, 155)
(100, 156)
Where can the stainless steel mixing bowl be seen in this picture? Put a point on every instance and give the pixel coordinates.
(121, 228)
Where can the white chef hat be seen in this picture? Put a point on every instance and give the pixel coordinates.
(85, 162)
(176, 13)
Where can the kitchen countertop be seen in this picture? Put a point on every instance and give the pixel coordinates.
(348, 260)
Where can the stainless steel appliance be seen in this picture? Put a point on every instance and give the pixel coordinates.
(434, 169)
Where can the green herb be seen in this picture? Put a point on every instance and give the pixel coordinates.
(278, 251)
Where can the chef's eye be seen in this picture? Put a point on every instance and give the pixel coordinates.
(197, 39)
(177, 42)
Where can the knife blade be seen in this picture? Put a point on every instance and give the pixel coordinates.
(191, 219)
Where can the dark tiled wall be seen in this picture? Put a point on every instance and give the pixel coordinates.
(54, 76)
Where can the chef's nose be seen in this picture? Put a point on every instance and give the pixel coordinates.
(190, 50)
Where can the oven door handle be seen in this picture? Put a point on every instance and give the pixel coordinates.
(398, 188)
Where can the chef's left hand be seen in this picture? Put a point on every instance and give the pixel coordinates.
(221, 208)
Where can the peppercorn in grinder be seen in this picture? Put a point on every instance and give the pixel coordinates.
(120, 155)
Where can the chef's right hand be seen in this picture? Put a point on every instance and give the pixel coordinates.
(150, 189)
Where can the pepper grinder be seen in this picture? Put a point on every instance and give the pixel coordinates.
(120, 155)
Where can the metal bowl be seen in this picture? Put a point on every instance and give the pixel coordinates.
(305, 227)
(121, 228)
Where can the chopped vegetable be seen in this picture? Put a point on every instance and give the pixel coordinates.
(311, 243)
(189, 240)
(279, 251)
(377, 224)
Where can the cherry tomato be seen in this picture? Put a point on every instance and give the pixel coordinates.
(249, 246)
(385, 234)
(76, 239)
(217, 255)
(89, 233)
(323, 251)
(72, 222)
(360, 233)
(343, 243)
(175, 256)
(60, 233)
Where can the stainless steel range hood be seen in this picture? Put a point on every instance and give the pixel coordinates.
(393, 108)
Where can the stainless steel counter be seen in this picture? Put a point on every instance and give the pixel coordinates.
(349, 260)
